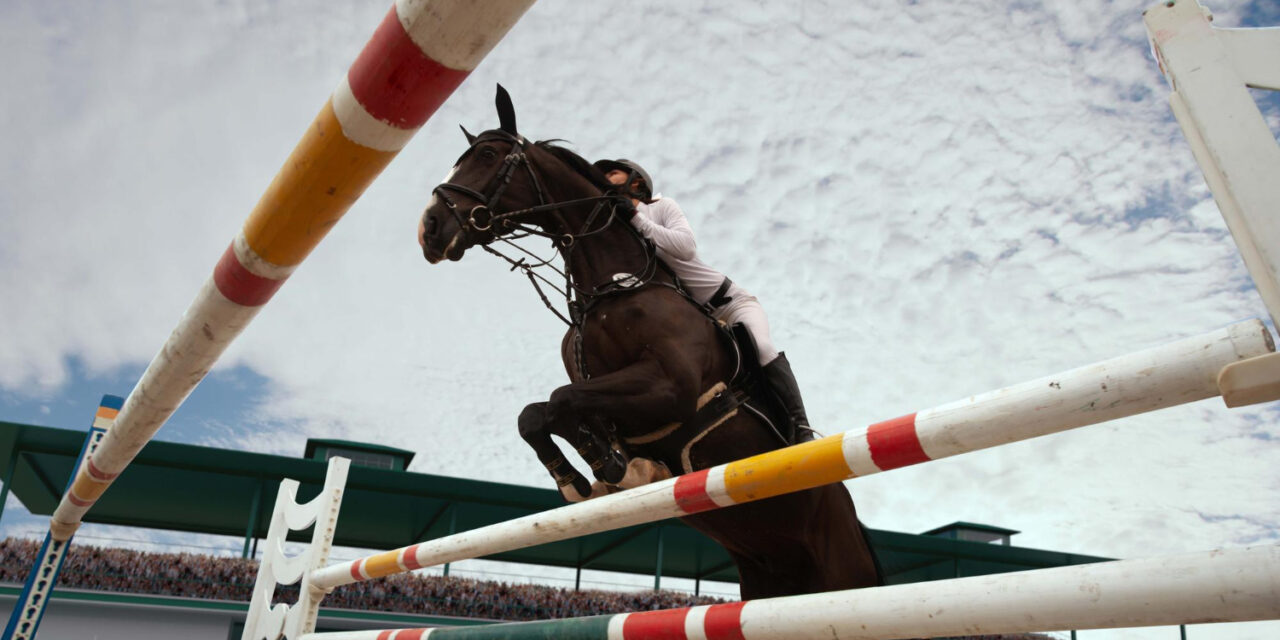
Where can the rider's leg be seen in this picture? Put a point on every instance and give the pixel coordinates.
(745, 308)
(783, 381)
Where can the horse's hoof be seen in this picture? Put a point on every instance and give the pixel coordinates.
(577, 491)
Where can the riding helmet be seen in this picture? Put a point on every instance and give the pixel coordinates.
(622, 164)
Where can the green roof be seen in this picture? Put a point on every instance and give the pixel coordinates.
(316, 443)
(972, 527)
(182, 487)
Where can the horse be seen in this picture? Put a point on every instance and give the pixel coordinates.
(641, 358)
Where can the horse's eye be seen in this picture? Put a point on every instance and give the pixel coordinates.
(487, 153)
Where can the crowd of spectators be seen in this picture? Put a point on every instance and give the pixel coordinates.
(190, 575)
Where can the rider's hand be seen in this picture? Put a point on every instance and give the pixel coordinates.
(626, 209)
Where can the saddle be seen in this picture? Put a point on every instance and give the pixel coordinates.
(746, 390)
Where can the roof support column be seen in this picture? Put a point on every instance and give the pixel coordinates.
(697, 569)
(577, 577)
(253, 522)
(8, 480)
(453, 528)
(657, 569)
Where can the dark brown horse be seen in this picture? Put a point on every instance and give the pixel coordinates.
(639, 356)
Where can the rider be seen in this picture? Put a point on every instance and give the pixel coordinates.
(663, 222)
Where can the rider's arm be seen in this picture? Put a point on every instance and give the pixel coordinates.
(664, 223)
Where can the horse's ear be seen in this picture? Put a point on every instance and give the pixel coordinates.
(506, 112)
(470, 138)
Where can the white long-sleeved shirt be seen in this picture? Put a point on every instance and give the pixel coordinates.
(663, 222)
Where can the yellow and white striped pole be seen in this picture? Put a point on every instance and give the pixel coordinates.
(419, 54)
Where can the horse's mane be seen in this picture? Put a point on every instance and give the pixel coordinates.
(575, 162)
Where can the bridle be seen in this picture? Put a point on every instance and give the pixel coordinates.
(509, 226)
(481, 217)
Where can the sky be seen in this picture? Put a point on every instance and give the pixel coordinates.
(931, 201)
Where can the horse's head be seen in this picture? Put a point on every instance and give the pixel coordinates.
(494, 175)
(504, 185)
(486, 178)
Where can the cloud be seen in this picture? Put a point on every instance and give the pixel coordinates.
(930, 204)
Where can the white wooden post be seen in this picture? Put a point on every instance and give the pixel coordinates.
(265, 622)
(1210, 70)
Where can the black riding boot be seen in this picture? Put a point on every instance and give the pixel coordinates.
(783, 382)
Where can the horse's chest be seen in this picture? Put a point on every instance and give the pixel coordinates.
(613, 339)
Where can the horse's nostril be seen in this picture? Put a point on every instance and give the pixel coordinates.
(433, 225)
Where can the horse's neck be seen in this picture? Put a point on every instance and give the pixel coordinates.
(596, 259)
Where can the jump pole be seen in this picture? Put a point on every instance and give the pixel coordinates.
(1160, 377)
(1232, 585)
(419, 54)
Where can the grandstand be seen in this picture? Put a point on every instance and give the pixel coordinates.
(187, 488)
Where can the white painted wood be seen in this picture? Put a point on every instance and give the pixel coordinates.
(459, 33)
(203, 333)
(1232, 143)
(1216, 586)
(1255, 54)
(1251, 381)
(360, 127)
(1164, 376)
(292, 621)
(616, 511)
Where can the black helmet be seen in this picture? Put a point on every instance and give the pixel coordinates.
(622, 164)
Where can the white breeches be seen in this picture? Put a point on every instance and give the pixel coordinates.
(745, 308)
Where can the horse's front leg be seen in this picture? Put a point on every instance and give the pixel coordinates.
(536, 429)
(642, 395)
(608, 464)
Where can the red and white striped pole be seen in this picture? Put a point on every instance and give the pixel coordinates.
(1164, 376)
(1229, 585)
(419, 54)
